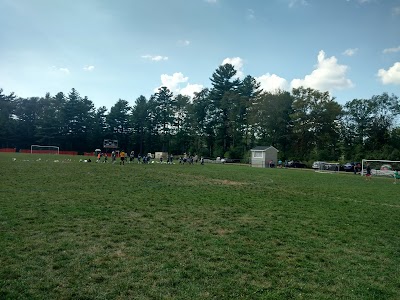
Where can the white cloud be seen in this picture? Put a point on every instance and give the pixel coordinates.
(211, 1)
(391, 50)
(55, 69)
(350, 52)
(64, 70)
(173, 83)
(327, 76)
(361, 1)
(190, 89)
(390, 76)
(88, 68)
(293, 3)
(396, 11)
(271, 82)
(237, 63)
(155, 57)
(183, 43)
(250, 14)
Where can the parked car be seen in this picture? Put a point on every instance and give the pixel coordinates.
(295, 164)
(318, 165)
(349, 167)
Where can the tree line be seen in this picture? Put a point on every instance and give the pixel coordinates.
(226, 120)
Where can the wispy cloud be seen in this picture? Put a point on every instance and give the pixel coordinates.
(350, 51)
(211, 1)
(63, 70)
(293, 3)
(250, 14)
(396, 11)
(155, 57)
(88, 68)
(360, 1)
(183, 42)
(391, 50)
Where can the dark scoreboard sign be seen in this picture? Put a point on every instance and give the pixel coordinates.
(110, 144)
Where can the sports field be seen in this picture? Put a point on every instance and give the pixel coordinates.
(73, 230)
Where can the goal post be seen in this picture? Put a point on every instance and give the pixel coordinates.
(380, 167)
(40, 149)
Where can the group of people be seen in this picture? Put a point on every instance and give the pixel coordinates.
(190, 159)
(145, 159)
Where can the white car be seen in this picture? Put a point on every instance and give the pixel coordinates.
(318, 164)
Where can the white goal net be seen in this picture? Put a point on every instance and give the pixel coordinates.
(39, 149)
(380, 167)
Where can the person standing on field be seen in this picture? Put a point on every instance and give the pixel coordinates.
(396, 176)
(132, 157)
(368, 175)
(113, 156)
(122, 157)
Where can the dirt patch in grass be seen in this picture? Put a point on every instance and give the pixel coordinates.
(227, 182)
(201, 180)
(222, 231)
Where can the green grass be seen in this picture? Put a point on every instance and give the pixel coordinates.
(71, 230)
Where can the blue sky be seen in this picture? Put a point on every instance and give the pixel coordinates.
(126, 48)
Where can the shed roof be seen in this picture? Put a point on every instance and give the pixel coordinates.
(263, 148)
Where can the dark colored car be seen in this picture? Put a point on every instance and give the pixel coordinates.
(295, 164)
(349, 167)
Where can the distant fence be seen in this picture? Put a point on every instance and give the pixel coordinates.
(47, 152)
(13, 150)
(8, 149)
(94, 154)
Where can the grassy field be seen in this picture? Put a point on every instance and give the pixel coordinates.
(73, 230)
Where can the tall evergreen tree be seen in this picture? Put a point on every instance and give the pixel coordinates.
(7, 121)
(222, 95)
(140, 124)
(78, 114)
(249, 91)
(50, 123)
(164, 104)
(27, 113)
(118, 120)
(201, 121)
(181, 130)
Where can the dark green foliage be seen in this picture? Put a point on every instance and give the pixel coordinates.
(8, 124)
(315, 120)
(118, 121)
(369, 127)
(272, 123)
(227, 120)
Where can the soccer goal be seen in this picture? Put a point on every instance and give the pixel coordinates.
(380, 167)
(325, 167)
(39, 149)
